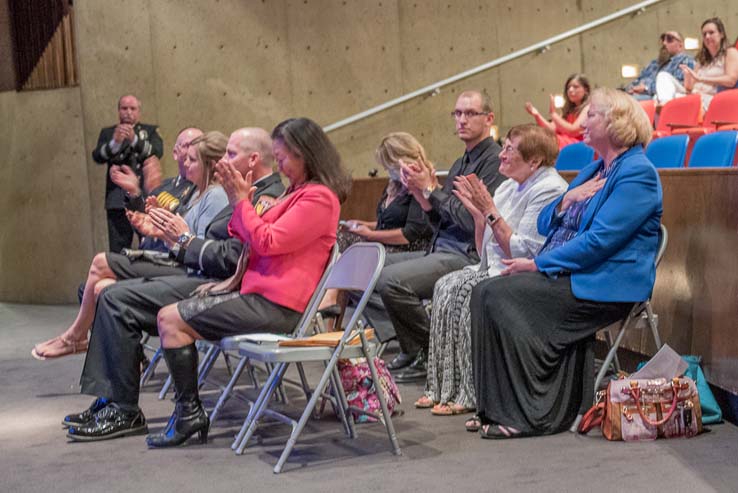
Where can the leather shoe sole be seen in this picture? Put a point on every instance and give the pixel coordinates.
(138, 430)
(402, 360)
(411, 376)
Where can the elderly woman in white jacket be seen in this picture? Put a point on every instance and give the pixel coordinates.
(505, 227)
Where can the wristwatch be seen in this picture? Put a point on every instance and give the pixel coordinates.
(492, 219)
(427, 191)
(184, 238)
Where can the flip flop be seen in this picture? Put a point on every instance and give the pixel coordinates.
(449, 409)
(424, 402)
(500, 432)
(67, 348)
(473, 424)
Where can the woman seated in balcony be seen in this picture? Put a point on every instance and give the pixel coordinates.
(401, 224)
(568, 125)
(716, 68)
(505, 227)
(109, 267)
(532, 328)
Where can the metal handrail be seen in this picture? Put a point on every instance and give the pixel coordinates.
(542, 46)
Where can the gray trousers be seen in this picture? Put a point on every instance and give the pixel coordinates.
(396, 306)
(125, 310)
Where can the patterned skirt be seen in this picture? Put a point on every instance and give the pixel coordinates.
(450, 373)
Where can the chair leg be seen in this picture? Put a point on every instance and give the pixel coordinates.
(317, 391)
(165, 388)
(153, 364)
(226, 394)
(615, 361)
(652, 323)
(211, 356)
(343, 411)
(380, 394)
(249, 424)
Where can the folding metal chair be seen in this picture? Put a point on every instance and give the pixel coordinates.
(231, 344)
(644, 307)
(356, 270)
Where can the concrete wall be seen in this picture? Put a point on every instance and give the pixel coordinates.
(46, 234)
(222, 64)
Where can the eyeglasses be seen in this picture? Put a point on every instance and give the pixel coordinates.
(669, 38)
(468, 114)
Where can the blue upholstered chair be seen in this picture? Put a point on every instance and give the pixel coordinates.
(574, 157)
(668, 152)
(715, 150)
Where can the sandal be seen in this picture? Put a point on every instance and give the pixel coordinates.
(424, 402)
(450, 409)
(63, 346)
(473, 424)
(496, 432)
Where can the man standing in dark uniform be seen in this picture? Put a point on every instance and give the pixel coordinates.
(130, 143)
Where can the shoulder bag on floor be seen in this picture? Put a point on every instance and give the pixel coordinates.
(642, 409)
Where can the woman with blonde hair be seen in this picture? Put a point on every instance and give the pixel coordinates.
(401, 225)
(108, 267)
(532, 328)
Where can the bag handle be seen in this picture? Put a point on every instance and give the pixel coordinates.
(635, 391)
(592, 418)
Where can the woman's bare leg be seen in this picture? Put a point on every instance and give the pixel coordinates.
(99, 276)
(173, 331)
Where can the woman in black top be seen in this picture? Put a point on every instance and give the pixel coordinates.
(401, 223)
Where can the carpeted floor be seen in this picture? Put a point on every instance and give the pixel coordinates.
(437, 453)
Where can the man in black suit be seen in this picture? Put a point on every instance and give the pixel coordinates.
(129, 143)
(128, 308)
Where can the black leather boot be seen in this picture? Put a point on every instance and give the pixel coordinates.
(189, 417)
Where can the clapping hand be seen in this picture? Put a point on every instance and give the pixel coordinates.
(125, 178)
(143, 224)
(151, 173)
(474, 196)
(172, 226)
(236, 186)
(151, 203)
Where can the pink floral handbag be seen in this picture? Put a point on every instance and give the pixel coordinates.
(356, 378)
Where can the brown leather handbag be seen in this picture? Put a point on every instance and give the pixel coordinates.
(644, 409)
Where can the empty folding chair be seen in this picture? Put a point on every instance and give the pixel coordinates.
(668, 152)
(357, 270)
(574, 157)
(715, 150)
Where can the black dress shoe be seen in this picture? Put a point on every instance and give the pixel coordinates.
(110, 422)
(85, 416)
(401, 361)
(418, 370)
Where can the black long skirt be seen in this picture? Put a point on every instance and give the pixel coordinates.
(532, 350)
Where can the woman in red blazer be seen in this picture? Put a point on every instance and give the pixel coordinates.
(287, 248)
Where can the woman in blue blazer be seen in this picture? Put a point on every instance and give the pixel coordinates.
(533, 327)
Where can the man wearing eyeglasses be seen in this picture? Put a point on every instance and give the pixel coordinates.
(408, 278)
(671, 55)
